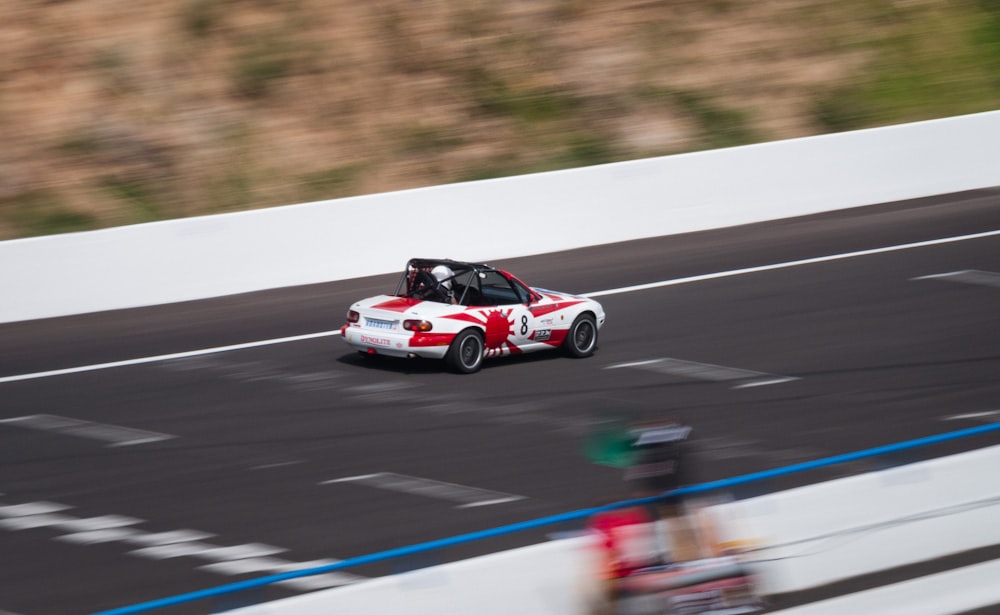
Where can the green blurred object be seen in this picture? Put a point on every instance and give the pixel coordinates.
(609, 444)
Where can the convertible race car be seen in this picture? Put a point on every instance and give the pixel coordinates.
(465, 312)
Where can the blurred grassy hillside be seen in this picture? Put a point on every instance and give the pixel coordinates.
(118, 112)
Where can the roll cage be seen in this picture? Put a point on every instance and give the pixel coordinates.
(472, 284)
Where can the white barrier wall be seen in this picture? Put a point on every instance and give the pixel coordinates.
(858, 525)
(550, 578)
(212, 256)
(806, 537)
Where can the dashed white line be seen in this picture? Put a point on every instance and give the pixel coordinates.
(319, 581)
(600, 293)
(986, 415)
(966, 276)
(280, 464)
(512, 498)
(229, 560)
(31, 508)
(634, 364)
(246, 565)
(257, 565)
(148, 539)
(114, 434)
(207, 551)
(170, 551)
(29, 522)
(467, 497)
(765, 382)
(93, 537)
(706, 371)
(104, 522)
(315, 581)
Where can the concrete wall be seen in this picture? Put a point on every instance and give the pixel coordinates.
(550, 578)
(854, 526)
(804, 538)
(211, 256)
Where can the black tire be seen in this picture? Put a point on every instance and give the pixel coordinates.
(465, 355)
(581, 340)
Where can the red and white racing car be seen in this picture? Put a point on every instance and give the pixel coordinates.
(465, 312)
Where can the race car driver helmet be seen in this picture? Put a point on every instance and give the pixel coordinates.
(443, 274)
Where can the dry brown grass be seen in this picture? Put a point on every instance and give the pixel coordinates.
(115, 112)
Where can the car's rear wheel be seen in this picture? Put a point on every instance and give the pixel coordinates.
(465, 355)
(581, 341)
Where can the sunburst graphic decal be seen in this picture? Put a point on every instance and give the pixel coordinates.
(498, 329)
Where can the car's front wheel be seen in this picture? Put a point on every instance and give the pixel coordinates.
(581, 341)
(465, 355)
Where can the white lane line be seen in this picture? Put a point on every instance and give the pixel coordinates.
(151, 539)
(634, 364)
(966, 276)
(321, 581)
(988, 415)
(600, 293)
(89, 530)
(30, 522)
(765, 382)
(280, 464)
(274, 565)
(166, 357)
(104, 522)
(512, 498)
(229, 560)
(799, 263)
(706, 371)
(43, 517)
(31, 508)
(244, 566)
(115, 435)
(467, 497)
(207, 551)
(180, 549)
(316, 581)
(93, 537)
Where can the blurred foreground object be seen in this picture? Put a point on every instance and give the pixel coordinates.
(670, 564)
(658, 451)
(666, 557)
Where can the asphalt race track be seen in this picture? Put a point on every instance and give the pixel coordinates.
(129, 483)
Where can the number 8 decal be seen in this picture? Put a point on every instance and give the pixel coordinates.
(524, 324)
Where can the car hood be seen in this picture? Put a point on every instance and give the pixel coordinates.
(556, 296)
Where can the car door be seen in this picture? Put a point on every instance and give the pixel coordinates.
(522, 315)
(509, 322)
